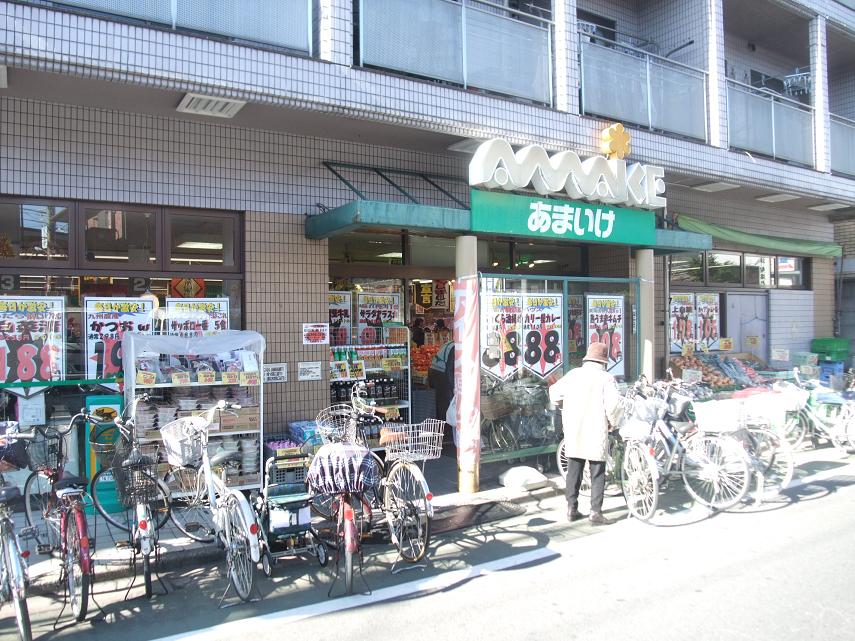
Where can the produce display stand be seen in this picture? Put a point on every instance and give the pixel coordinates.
(187, 375)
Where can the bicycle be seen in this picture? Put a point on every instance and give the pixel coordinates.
(13, 560)
(129, 473)
(837, 424)
(714, 468)
(402, 493)
(203, 506)
(55, 508)
(614, 458)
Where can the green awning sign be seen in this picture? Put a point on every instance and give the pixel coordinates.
(514, 215)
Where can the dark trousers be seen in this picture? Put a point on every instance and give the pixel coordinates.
(575, 467)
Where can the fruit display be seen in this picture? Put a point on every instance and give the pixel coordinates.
(720, 371)
(710, 374)
(421, 358)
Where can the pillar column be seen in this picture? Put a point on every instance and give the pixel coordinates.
(565, 45)
(819, 94)
(467, 371)
(646, 314)
(333, 31)
(716, 79)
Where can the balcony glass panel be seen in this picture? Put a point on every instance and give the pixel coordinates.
(423, 38)
(152, 10)
(843, 147)
(749, 121)
(284, 23)
(521, 69)
(614, 84)
(678, 101)
(793, 133)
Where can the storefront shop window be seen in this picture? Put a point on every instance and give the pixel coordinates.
(687, 268)
(494, 254)
(31, 232)
(724, 268)
(543, 258)
(124, 236)
(362, 247)
(759, 271)
(792, 272)
(203, 241)
(432, 251)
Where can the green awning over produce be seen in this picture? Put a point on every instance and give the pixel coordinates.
(761, 241)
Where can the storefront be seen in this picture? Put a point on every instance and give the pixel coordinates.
(538, 270)
(76, 276)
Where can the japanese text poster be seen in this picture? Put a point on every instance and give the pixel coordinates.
(373, 312)
(32, 338)
(440, 294)
(542, 332)
(606, 325)
(424, 294)
(575, 321)
(107, 320)
(341, 321)
(708, 313)
(192, 317)
(681, 319)
(501, 326)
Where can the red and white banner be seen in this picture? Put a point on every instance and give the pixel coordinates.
(467, 375)
(501, 330)
(107, 320)
(32, 339)
(606, 325)
(543, 326)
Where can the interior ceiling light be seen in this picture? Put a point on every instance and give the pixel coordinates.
(777, 198)
(542, 261)
(199, 105)
(713, 187)
(199, 244)
(829, 207)
(391, 255)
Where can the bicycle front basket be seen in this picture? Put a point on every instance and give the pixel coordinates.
(182, 440)
(46, 451)
(413, 442)
(337, 423)
(136, 482)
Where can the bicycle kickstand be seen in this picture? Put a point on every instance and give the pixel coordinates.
(421, 565)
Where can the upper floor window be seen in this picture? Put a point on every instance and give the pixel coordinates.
(735, 269)
(33, 231)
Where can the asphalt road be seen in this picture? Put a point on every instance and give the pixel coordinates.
(780, 570)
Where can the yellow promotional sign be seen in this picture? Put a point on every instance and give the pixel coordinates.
(726, 344)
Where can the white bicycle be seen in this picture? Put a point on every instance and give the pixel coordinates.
(203, 506)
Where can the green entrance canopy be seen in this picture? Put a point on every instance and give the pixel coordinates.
(761, 241)
(380, 215)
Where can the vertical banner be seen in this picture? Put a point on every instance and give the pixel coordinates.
(32, 339)
(440, 294)
(501, 329)
(423, 294)
(681, 320)
(467, 376)
(543, 327)
(374, 311)
(341, 317)
(107, 320)
(708, 312)
(194, 317)
(606, 325)
(575, 330)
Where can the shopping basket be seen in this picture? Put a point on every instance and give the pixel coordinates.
(182, 440)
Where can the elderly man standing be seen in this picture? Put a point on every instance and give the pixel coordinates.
(591, 404)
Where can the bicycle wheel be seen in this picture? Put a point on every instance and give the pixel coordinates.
(794, 429)
(502, 437)
(715, 470)
(406, 506)
(241, 568)
(22, 613)
(76, 579)
(40, 508)
(561, 459)
(773, 458)
(106, 498)
(191, 509)
(613, 463)
(322, 505)
(640, 480)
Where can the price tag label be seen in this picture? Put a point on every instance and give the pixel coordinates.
(206, 377)
(692, 376)
(249, 379)
(146, 378)
(705, 348)
(339, 371)
(231, 378)
(357, 370)
(726, 344)
(181, 378)
(780, 354)
(688, 349)
(391, 364)
(752, 341)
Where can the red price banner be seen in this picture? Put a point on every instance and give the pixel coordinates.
(32, 339)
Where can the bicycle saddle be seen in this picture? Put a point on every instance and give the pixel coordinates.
(683, 427)
(9, 493)
(71, 482)
(224, 457)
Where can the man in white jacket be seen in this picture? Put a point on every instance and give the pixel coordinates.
(591, 404)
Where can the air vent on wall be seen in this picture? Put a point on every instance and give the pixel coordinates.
(199, 105)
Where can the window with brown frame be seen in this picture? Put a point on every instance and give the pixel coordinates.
(32, 232)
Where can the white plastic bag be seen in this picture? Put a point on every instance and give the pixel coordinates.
(451, 412)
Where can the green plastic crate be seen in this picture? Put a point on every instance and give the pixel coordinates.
(835, 355)
(829, 345)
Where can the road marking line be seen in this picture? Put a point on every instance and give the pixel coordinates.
(438, 582)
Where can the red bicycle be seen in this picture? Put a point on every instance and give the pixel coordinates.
(54, 504)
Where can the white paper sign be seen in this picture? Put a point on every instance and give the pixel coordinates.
(309, 371)
(316, 333)
(692, 376)
(275, 373)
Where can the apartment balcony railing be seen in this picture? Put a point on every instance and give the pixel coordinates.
(633, 86)
(766, 122)
(843, 145)
(471, 43)
(282, 23)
